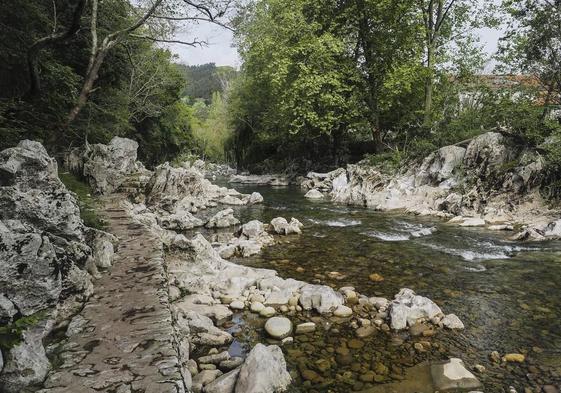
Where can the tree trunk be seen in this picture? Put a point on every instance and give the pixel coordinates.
(87, 87)
(429, 86)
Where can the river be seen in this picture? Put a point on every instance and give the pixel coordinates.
(506, 293)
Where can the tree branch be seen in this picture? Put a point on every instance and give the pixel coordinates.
(154, 39)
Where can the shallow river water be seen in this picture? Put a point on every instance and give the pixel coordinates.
(506, 293)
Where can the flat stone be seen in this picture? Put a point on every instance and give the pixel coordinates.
(306, 327)
(214, 359)
(230, 364)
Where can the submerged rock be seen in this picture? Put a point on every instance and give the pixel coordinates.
(264, 371)
(452, 375)
(314, 194)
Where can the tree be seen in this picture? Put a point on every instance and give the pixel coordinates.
(151, 19)
(532, 44)
(446, 23)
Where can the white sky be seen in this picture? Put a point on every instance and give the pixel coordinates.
(221, 51)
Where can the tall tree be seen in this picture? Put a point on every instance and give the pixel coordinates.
(153, 24)
(532, 44)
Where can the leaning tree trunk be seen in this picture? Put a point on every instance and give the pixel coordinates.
(87, 87)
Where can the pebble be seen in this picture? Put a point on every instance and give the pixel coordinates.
(355, 344)
(365, 331)
(256, 307)
(267, 312)
(306, 327)
(514, 358)
(376, 277)
(495, 357)
(479, 368)
(237, 305)
(343, 311)
(230, 364)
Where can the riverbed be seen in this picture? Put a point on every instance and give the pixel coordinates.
(506, 293)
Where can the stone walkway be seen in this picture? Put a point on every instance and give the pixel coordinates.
(123, 339)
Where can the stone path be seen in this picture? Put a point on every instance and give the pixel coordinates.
(124, 341)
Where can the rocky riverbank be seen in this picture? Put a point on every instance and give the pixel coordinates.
(194, 289)
(491, 183)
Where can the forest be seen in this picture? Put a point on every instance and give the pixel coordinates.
(322, 83)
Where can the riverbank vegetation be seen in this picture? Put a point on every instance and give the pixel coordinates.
(322, 83)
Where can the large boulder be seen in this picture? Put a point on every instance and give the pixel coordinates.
(46, 252)
(107, 166)
(264, 371)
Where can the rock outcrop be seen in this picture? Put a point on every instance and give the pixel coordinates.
(492, 182)
(47, 256)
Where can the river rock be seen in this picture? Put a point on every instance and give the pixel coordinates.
(237, 305)
(204, 378)
(451, 375)
(231, 363)
(278, 327)
(222, 219)
(200, 329)
(306, 327)
(514, 358)
(321, 298)
(343, 311)
(451, 321)
(282, 227)
(107, 166)
(214, 358)
(264, 371)
(473, 222)
(267, 312)
(255, 198)
(224, 383)
(257, 307)
(314, 194)
(407, 309)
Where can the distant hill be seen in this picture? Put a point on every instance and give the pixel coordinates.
(206, 79)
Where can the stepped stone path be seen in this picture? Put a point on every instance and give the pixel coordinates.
(123, 339)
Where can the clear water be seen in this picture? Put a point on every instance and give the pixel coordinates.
(506, 293)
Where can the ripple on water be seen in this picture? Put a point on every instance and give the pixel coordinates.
(340, 222)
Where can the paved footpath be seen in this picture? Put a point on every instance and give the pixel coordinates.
(124, 339)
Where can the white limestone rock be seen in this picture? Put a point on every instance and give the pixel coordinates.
(264, 371)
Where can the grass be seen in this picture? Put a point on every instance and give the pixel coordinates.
(87, 203)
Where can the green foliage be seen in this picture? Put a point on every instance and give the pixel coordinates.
(205, 80)
(11, 334)
(212, 132)
(136, 93)
(88, 204)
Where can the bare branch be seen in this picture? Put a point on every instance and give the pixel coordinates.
(195, 42)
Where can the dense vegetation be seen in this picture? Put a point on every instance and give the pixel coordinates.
(82, 71)
(322, 82)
